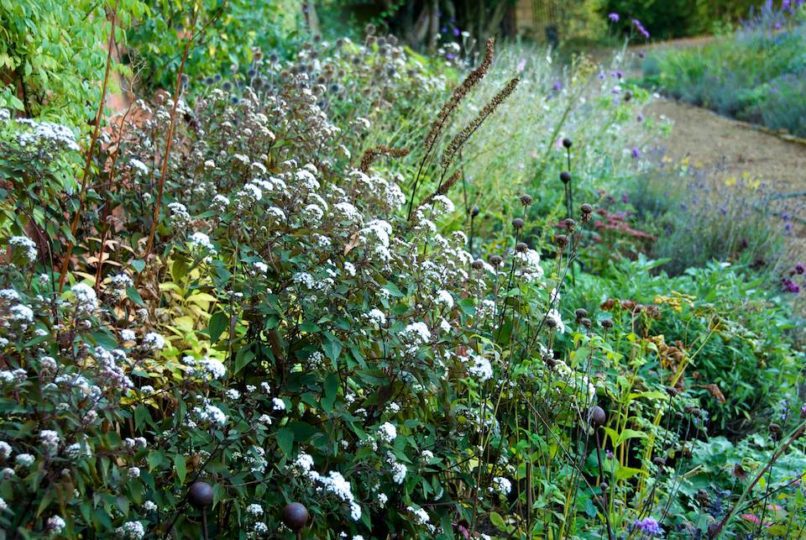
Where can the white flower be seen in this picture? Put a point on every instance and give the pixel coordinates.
(501, 485)
(232, 394)
(49, 439)
(427, 455)
(149, 506)
(530, 270)
(9, 295)
(278, 404)
(139, 166)
(382, 499)
(213, 367)
(201, 240)
(121, 281)
(134, 472)
(26, 245)
(444, 298)
(131, 530)
(254, 510)
(3, 505)
(24, 460)
(153, 341)
(398, 472)
(481, 368)
(55, 524)
(22, 313)
(209, 164)
(5, 450)
(211, 414)
(420, 515)
(261, 267)
(377, 317)
(415, 334)
(260, 528)
(349, 268)
(387, 432)
(127, 335)
(86, 301)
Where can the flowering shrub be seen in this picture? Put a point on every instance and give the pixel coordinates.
(262, 294)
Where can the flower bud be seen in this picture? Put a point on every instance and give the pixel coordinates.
(565, 176)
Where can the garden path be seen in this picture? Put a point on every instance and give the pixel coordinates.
(732, 149)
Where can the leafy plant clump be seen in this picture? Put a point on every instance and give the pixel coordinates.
(261, 295)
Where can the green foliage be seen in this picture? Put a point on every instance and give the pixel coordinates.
(53, 56)
(680, 18)
(756, 74)
(227, 36)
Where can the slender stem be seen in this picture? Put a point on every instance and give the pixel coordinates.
(168, 144)
(82, 192)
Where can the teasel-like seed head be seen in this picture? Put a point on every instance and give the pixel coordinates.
(517, 224)
(567, 143)
(521, 247)
(565, 177)
(478, 264)
(596, 416)
(581, 313)
(561, 240)
(496, 260)
(526, 200)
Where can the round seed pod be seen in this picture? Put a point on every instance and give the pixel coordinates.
(607, 324)
(200, 494)
(604, 486)
(570, 224)
(567, 143)
(495, 260)
(551, 323)
(596, 416)
(561, 240)
(526, 200)
(474, 211)
(295, 516)
(565, 176)
(478, 264)
(587, 210)
(517, 223)
(521, 247)
(586, 322)
(627, 95)
(581, 313)
(671, 391)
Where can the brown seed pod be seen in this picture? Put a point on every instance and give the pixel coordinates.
(526, 200)
(200, 494)
(567, 143)
(495, 260)
(521, 247)
(581, 313)
(596, 416)
(565, 177)
(478, 264)
(561, 240)
(517, 223)
(295, 516)
(607, 324)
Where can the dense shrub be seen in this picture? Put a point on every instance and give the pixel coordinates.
(263, 291)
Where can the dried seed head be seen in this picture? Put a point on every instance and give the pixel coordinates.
(567, 143)
(517, 223)
(596, 416)
(581, 313)
(295, 516)
(526, 200)
(474, 211)
(561, 240)
(565, 176)
(607, 324)
(495, 260)
(200, 494)
(478, 264)
(521, 247)
(551, 322)
(586, 209)
(586, 322)
(570, 224)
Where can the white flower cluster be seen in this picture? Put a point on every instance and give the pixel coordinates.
(131, 530)
(86, 300)
(333, 483)
(501, 485)
(25, 245)
(387, 432)
(47, 133)
(414, 335)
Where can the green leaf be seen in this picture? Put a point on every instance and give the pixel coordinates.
(134, 296)
(331, 391)
(180, 467)
(629, 434)
(285, 440)
(332, 348)
(498, 522)
(138, 265)
(218, 323)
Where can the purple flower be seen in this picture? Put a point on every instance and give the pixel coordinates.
(456, 31)
(521, 65)
(624, 198)
(790, 286)
(800, 268)
(640, 28)
(614, 17)
(557, 86)
(640, 117)
(450, 56)
(648, 526)
(636, 153)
